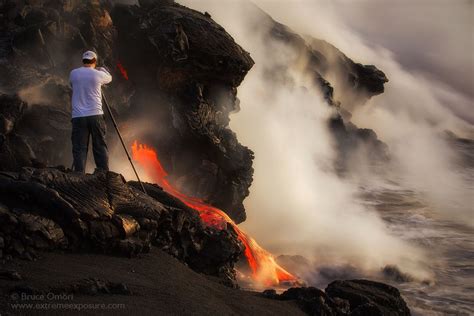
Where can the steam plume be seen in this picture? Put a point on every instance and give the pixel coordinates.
(297, 203)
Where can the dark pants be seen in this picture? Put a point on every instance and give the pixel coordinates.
(82, 129)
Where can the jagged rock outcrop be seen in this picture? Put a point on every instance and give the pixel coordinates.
(49, 209)
(193, 68)
(369, 297)
(175, 70)
(365, 80)
(344, 84)
(352, 297)
(321, 59)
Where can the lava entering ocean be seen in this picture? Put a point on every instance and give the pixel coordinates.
(262, 264)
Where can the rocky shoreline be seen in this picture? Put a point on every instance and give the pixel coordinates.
(53, 210)
(176, 71)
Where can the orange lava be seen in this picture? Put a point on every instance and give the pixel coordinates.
(262, 264)
(122, 70)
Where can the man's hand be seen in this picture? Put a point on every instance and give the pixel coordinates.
(104, 69)
(106, 76)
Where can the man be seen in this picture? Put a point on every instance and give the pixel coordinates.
(87, 114)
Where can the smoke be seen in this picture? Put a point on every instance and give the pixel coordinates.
(297, 203)
(34, 95)
(131, 131)
(413, 29)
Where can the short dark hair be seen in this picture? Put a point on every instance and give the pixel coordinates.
(89, 61)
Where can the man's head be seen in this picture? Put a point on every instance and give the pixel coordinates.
(89, 59)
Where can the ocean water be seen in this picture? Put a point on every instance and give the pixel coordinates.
(448, 244)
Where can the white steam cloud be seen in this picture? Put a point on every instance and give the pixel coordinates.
(297, 203)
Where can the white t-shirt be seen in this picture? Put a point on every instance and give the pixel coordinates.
(86, 85)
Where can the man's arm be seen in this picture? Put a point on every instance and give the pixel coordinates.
(70, 79)
(105, 76)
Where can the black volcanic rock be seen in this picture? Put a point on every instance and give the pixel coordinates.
(349, 75)
(352, 297)
(313, 301)
(392, 272)
(174, 69)
(92, 286)
(47, 209)
(351, 140)
(89, 286)
(368, 297)
(14, 150)
(210, 57)
(189, 83)
(10, 275)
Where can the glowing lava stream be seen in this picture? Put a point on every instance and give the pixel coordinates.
(264, 268)
(122, 70)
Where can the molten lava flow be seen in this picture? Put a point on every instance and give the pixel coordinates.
(122, 70)
(264, 268)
